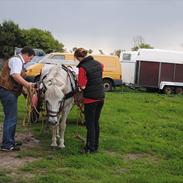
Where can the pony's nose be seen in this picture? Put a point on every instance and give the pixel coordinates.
(53, 122)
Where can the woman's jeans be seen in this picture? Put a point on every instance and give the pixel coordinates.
(9, 103)
(92, 114)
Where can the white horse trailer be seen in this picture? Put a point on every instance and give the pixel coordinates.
(161, 69)
(128, 64)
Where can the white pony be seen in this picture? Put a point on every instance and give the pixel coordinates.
(58, 85)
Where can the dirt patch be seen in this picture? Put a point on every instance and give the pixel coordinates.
(12, 160)
(27, 139)
(134, 156)
(112, 153)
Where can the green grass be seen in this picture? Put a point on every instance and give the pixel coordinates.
(141, 142)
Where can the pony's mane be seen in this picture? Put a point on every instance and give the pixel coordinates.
(57, 82)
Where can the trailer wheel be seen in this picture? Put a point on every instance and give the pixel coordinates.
(107, 85)
(178, 90)
(168, 90)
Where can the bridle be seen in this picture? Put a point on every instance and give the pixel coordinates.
(72, 77)
(51, 113)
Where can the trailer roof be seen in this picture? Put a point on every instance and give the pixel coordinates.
(159, 55)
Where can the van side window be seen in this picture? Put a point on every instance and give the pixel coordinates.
(126, 56)
(58, 57)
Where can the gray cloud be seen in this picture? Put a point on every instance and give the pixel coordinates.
(104, 24)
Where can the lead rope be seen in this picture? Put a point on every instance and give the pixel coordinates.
(80, 109)
(29, 109)
(77, 135)
(42, 116)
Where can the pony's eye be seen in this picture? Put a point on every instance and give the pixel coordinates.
(49, 83)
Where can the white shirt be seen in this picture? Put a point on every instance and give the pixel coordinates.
(15, 64)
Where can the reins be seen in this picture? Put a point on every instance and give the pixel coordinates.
(29, 108)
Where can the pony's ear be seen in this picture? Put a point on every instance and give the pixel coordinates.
(41, 86)
(48, 83)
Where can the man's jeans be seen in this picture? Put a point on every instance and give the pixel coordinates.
(9, 103)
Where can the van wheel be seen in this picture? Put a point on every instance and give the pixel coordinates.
(107, 85)
(178, 90)
(168, 90)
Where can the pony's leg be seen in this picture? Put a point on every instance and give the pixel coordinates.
(54, 136)
(62, 131)
(63, 125)
(58, 131)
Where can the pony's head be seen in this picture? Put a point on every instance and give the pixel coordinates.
(54, 86)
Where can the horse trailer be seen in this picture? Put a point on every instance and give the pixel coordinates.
(160, 69)
(128, 65)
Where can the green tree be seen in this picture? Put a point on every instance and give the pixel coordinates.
(117, 52)
(142, 45)
(44, 40)
(139, 43)
(73, 49)
(10, 37)
(90, 51)
(101, 52)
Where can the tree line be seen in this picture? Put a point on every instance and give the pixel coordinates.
(11, 36)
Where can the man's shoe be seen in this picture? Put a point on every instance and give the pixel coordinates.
(13, 148)
(18, 143)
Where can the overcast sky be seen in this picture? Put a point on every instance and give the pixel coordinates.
(101, 24)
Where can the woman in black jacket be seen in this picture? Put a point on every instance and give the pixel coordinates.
(91, 83)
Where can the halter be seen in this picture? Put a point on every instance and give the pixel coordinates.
(71, 75)
(55, 113)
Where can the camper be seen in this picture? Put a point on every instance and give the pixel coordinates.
(160, 69)
(128, 64)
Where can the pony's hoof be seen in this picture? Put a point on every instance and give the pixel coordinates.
(61, 146)
(54, 148)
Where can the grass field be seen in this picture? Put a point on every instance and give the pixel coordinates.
(141, 142)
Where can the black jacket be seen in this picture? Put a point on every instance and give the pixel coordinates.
(94, 88)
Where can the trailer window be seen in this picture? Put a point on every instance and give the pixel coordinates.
(126, 56)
